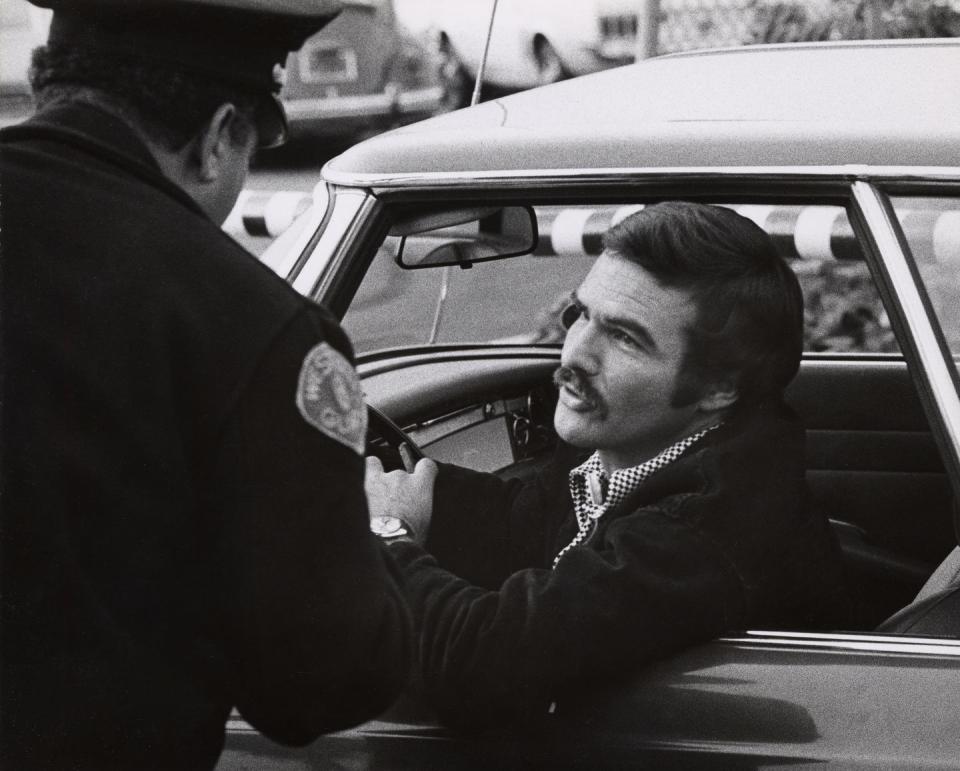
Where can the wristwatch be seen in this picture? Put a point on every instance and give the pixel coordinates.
(391, 529)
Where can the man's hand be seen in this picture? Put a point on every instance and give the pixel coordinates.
(408, 496)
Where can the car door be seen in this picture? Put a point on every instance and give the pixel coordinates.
(461, 358)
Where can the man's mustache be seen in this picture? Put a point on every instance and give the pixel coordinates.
(577, 382)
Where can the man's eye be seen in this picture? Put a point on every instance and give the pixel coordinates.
(570, 315)
(622, 337)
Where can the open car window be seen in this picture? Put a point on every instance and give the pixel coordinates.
(520, 299)
(873, 466)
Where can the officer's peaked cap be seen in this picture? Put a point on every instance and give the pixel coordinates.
(237, 41)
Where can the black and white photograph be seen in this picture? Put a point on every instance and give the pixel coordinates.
(467, 385)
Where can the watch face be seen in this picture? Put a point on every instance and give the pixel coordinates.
(389, 527)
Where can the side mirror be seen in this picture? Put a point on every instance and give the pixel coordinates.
(509, 231)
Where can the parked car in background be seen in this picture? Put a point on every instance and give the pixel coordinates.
(856, 179)
(363, 73)
(533, 42)
(23, 27)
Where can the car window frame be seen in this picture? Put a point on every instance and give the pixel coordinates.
(891, 262)
(340, 253)
(344, 248)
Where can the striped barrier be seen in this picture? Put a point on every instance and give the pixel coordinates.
(265, 213)
(799, 232)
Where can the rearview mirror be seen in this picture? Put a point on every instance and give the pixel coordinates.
(469, 236)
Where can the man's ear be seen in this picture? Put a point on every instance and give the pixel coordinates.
(720, 396)
(214, 143)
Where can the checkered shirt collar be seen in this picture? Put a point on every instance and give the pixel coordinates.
(594, 494)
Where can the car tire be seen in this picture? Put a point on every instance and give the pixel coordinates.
(549, 67)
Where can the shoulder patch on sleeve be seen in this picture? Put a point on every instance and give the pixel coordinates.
(330, 398)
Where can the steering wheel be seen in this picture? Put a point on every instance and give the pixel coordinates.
(384, 438)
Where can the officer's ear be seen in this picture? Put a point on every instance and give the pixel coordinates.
(214, 145)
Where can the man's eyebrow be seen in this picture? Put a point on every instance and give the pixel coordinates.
(634, 327)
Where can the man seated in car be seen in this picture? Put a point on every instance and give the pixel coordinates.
(687, 519)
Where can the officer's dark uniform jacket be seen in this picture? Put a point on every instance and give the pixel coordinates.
(177, 539)
(721, 539)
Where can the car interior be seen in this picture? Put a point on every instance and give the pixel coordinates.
(466, 374)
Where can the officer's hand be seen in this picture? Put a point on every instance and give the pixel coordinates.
(408, 496)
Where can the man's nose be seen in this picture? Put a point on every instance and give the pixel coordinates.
(581, 348)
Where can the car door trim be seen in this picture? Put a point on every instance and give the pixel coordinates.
(621, 175)
(347, 210)
(872, 643)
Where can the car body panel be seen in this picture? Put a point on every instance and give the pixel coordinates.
(741, 108)
(760, 698)
(749, 701)
(362, 73)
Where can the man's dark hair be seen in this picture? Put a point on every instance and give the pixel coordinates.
(168, 102)
(749, 321)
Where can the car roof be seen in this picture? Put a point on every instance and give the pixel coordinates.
(876, 103)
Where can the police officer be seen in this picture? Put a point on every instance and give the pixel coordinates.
(184, 524)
